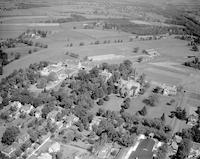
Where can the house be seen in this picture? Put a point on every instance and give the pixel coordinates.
(52, 116)
(192, 116)
(45, 156)
(104, 151)
(96, 121)
(129, 87)
(194, 151)
(169, 90)
(23, 138)
(10, 150)
(70, 120)
(26, 108)
(52, 68)
(105, 74)
(54, 148)
(151, 52)
(16, 104)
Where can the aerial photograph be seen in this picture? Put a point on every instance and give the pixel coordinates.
(99, 79)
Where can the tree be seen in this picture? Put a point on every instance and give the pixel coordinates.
(100, 101)
(106, 98)
(184, 149)
(10, 135)
(52, 77)
(163, 117)
(151, 100)
(143, 111)
(198, 111)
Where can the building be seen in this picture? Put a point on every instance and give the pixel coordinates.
(192, 116)
(52, 68)
(106, 75)
(96, 121)
(16, 104)
(54, 148)
(45, 156)
(103, 152)
(10, 150)
(144, 149)
(70, 120)
(169, 90)
(23, 138)
(151, 52)
(26, 108)
(129, 87)
(194, 151)
(52, 116)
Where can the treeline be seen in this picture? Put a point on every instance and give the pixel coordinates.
(192, 26)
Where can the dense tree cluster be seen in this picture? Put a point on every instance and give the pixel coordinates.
(10, 135)
(14, 87)
(122, 128)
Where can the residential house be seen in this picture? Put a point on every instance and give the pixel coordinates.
(104, 151)
(106, 75)
(16, 104)
(96, 121)
(23, 138)
(192, 116)
(26, 108)
(151, 52)
(70, 120)
(52, 116)
(44, 156)
(38, 112)
(129, 87)
(54, 148)
(194, 151)
(10, 150)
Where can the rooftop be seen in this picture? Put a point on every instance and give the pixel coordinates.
(144, 150)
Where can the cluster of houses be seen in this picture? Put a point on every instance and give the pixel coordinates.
(151, 37)
(66, 121)
(100, 25)
(19, 109)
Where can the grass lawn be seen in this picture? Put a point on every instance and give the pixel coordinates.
(114, 104)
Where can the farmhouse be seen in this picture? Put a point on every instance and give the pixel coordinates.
(129, 87)
(151, 52)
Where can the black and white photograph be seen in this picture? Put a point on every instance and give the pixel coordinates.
(99, 79)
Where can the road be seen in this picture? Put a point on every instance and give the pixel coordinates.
(39, 147)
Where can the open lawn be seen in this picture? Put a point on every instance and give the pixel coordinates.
(114, 104)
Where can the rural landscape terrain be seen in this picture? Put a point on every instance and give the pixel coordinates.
(99, 79)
